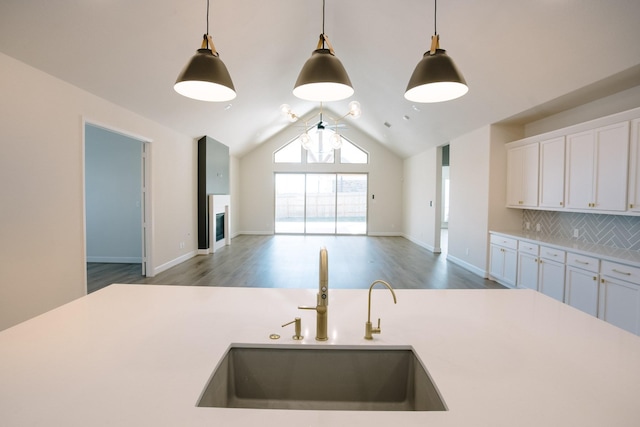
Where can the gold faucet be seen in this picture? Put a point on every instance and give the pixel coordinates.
(322, 304)
(369, 329)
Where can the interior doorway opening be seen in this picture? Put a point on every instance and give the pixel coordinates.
(116, 200)
(444, 221)
(321, 203)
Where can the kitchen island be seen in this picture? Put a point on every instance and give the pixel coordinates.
(140, 355)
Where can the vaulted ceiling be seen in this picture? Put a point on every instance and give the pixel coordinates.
(517, 56)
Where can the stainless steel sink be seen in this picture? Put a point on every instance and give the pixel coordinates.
(321, 377)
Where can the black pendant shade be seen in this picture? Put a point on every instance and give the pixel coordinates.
(206, 78)
(436, 78)
(323, 78)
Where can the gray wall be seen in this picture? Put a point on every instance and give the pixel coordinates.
(113, 174)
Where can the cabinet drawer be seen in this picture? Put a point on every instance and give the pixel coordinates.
(552, 254)
(530, 248)
(504, 241)
(621, 271)
(584, 262)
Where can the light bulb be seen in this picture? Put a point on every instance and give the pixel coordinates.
(354, 109)
(336, 141)
(305, 140)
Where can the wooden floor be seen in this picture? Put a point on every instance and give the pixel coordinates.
(284, 261)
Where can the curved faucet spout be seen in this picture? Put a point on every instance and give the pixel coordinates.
(369, 329)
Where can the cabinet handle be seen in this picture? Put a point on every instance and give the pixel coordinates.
(561, 204)
(540, 261)
(631, 206)
(550, 254)
(626, 273)
(583, 262)
(601, 280)
(595, 278)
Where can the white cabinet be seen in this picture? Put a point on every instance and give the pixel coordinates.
(596, 168)
(522, 176)
(581, 283)
(619, 299)
(503, 260)
(552, 173)
(551, 272)
(634, 167)
(527, 265)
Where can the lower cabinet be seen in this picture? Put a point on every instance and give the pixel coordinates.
(503, 260)
(527, 266)
(581, 283)
(551, 272)
(619, 296)
(602, 288)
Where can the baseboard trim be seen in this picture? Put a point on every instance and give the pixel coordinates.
(167, 265)
(384, 234)
(472, 268)
(115, 260)
(423, 244)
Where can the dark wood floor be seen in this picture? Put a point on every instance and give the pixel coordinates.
(284, 261)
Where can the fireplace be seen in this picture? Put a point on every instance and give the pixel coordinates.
(219, 226)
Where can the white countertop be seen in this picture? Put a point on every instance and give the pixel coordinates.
(140, 355)
(609, 253)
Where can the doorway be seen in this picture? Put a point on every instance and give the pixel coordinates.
(444, 222)
(321, 203)
(116, 177)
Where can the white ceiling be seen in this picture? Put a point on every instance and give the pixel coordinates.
(516, 55)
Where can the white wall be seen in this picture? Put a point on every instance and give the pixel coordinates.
(41, 188)
(256, 188)
(469, 198)
(113, 196)
(420, 186)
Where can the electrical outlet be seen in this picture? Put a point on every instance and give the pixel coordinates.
(576, 233)
(537, 227)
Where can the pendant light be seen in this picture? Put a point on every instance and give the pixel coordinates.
(323, 77)
(205, 77)
(436, 78)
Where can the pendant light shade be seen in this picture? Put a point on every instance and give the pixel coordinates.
(323, 78)
(205, 78)
(436, 78)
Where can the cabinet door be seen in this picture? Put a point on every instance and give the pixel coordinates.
(581, 290)
(522, 176)
(551, 279)
(503, 265)
(579, 170)
(634, 167)
(620, 304)
(552, 173)
(496, 262)
(527, 271)
(612, 158)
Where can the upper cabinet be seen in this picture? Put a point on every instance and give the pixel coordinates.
(589, 167)
(634, 167)
(596, 168)
(552, 173)
(522, 176)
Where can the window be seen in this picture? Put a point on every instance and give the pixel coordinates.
(320, 150)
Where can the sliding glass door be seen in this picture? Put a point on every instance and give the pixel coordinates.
(325, 203)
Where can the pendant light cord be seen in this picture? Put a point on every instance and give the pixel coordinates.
(435, 17)
(207, 35)
(323, 8)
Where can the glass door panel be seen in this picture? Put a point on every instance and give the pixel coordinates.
(351, 215)
(289, 203)
(321, 204)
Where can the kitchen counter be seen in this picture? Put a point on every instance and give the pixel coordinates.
(140, 355)
(609, 253)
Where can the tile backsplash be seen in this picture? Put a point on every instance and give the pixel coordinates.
(617, 231)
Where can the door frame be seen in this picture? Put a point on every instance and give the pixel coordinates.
(146, 211)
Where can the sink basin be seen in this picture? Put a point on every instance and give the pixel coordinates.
(320, 377)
